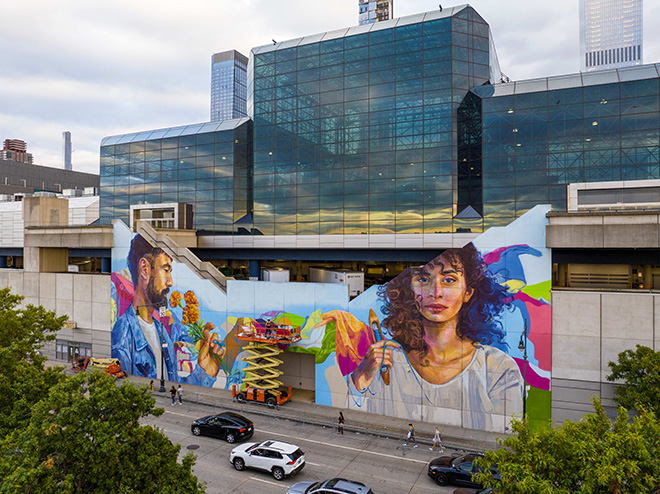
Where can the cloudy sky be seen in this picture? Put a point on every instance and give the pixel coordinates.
(100, 68)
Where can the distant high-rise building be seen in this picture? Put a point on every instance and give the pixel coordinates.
(66, 150)
(15, 150)
(228, 85)
(375, 11)
(611, 34)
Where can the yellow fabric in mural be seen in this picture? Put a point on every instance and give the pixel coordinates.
(314, 320)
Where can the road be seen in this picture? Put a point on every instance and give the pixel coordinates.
(374, 461)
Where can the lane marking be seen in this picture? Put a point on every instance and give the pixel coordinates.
(325, 444)
(344, 447)
(269, 482)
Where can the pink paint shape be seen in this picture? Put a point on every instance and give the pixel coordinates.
(532, 378)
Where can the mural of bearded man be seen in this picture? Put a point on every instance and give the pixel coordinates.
(138, 338)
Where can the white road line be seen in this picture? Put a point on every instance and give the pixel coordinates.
(325, 444)
(344, 447)
(268, 482)
(313, 464)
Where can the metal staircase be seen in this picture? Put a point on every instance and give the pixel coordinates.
(205, 270)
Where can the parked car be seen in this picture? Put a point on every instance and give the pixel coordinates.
(280, 459)
(330, 486)
(457, 470)
(229, 426)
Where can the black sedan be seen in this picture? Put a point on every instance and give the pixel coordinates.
(229, 426)
(456, 470)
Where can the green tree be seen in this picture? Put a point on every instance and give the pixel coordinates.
(86, 437)
(592, 456)
(23, 378)
(640, 371)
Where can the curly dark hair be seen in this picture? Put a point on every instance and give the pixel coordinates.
(477, 319)
(141, 248)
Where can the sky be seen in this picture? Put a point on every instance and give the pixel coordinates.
(101, 68)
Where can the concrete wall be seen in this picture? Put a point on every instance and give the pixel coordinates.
(85, 298)
(590, 329)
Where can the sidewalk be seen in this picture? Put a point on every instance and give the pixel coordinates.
(299, 410)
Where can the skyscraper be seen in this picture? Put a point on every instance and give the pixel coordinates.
(228, 85)
(611, 34)
(66, 150)
(375, 11)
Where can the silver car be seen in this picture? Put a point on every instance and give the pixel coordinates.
(330, 486)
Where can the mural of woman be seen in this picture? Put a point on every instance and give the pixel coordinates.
(441, 363)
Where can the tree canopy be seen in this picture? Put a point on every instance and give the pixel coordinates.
(23, 378)
(640, 371)
(80, 434)
(592, 456)
(86, 437)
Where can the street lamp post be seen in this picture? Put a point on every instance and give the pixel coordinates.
(162, 311)
(522, 346)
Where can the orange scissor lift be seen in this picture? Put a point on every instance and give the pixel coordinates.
(266, 342)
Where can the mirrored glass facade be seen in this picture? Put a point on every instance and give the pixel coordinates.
(537, 142)
(209, 169)
(357, 134)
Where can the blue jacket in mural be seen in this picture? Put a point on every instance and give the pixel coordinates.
(136, 356)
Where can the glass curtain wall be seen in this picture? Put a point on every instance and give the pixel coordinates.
(210, 170)
(536, 143)
(357, 134)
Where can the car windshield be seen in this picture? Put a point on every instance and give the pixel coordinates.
(252, 447)
(313, 487)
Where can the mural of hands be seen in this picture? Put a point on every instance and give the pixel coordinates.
(211, 351)
(378, 356)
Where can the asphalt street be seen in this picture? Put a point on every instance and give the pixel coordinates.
(377, 462)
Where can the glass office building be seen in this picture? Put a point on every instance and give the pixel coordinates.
(207, 165)
(228, 85)
(398, 129)
(611, 34)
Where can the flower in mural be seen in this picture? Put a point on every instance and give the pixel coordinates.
(197, 327)
(175, 299)
(190, 298)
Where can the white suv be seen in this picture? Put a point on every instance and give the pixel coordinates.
(280, 459)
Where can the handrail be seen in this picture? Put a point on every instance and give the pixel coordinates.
(203, 269)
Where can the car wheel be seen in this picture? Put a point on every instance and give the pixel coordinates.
(278, 473)
(230, 438)
(197, 431)
(239, 464)
(441, 479)
(271, 401)
(241, 398)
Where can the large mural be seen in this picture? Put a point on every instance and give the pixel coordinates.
(461, 340)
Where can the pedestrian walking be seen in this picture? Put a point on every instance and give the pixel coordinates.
(437, 441)
(179, 393)
(411, 435)
(340, 424)
(173, 394)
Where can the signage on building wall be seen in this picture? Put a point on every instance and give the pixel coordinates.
(70, 325)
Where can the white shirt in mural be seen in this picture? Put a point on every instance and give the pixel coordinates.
(481, 397)
(153, 338)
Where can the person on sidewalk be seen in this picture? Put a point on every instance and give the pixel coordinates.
(437, 440)
(340, 424)
(411, 435)
(173, 394)
(179, 393)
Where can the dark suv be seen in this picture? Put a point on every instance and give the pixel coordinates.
(229, 426)
(331, 486)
